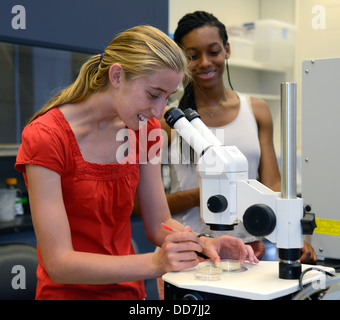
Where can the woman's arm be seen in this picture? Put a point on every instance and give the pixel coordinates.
(177, 201)
(153, 203)
(181, 200)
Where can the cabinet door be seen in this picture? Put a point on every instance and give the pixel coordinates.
(29, 77)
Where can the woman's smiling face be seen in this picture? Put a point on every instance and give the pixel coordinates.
(146, 97)
(207, 55)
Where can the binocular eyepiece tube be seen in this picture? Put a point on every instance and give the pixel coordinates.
(176, 119)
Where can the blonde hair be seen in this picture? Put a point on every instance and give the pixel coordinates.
(140, 51)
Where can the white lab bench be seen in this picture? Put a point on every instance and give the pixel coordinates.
(259, 282)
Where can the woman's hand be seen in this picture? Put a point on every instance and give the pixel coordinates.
(178, 251)
(227, 247)
(308, 254)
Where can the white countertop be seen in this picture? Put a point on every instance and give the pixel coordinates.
(260, 282)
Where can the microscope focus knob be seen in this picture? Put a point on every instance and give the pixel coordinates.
(308, 223)
(259, 220)
(217, 203)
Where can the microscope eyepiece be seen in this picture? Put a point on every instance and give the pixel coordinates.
(172, 116)
(191, 114)
(176, 119)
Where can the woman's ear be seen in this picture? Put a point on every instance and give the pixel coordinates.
(227, 50)
(116, 74)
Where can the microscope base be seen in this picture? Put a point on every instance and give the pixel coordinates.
(259, 282)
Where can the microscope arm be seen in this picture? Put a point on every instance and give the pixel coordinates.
(228, 196)
(265, 214)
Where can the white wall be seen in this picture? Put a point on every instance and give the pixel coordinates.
(278, 10)
(318, 23)
(229, 12)
(319, 34)
(232, 12)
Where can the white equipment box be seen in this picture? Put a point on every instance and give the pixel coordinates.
(321, 152)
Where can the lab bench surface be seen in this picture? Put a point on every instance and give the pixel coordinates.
(19, 224)
(257, 282)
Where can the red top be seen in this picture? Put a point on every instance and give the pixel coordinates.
(98, 199)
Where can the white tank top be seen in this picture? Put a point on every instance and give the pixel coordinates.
(243, 133)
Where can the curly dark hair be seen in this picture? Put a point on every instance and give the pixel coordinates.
(199, 19)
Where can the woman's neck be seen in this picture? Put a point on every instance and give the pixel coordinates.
(95, 110)
(209, 97)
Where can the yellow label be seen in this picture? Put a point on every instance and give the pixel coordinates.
(326, 226)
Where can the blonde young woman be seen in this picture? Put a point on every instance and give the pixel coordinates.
(82, 181)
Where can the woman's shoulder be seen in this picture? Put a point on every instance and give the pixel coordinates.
(261, 112)
(260, 108)
(50, 122)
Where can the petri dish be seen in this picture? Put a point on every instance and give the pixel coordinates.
(228, 265)
(208, 271)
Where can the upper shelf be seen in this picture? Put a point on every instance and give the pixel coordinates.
(8, 150)
(234, 62)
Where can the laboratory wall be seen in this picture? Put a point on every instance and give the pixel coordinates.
(318, 26)
(229, 12)
(233, 12)
(319, 29)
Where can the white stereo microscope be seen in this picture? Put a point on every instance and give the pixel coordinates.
(227, 195)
